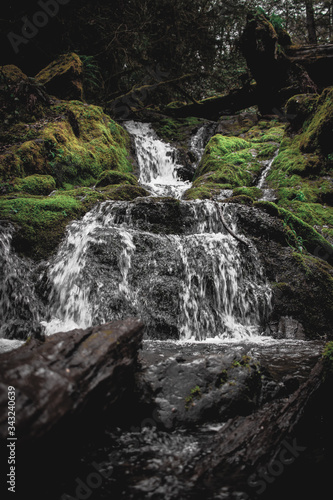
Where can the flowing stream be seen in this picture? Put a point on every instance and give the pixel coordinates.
(192, 281)
(201, 293)
(170, 262)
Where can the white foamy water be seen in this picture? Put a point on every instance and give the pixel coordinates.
(157, 161)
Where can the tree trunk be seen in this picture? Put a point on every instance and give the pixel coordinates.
(310, 22)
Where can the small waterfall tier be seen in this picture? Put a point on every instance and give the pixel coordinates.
(159, 167)
(170, 262)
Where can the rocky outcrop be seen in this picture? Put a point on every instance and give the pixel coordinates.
(63, 77)
(301, 281)
(190, 390)
(71, 373)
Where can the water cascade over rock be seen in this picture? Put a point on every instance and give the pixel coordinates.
(189, 280)
(19, 305)
(158, 161)
(168, 261)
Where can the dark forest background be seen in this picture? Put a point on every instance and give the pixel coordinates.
(128, 43)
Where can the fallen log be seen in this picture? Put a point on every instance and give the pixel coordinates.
(56, 380)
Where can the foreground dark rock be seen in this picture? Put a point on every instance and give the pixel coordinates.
(197, 385)
(249, 447)
(69, 373)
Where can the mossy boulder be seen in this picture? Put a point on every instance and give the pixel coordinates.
(35, 184)
(109, 177)
(65, 147)
(63, 77)
(41, 220)
(298, 265)
(11, 74)
(231, 162)
(299, 108)
(75, 143)
(301, 173)
(229, 157)
(319, 132)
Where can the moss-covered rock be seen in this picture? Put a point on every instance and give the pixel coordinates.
(109, 177)
(10, 74)
(318, 134)
(75, 143)
(297, 262)
(301, 173)
(35, 184)
(65, 144)
(63, 77)
(231, 162)
(41, 221)
(252, 192)
(298, 233)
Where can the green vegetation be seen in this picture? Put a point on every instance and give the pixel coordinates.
(64, 149)
(195, 393)
(42, 220)
(74, 144)
(298, 232)
(301, 173)
(231, 162)
(176, 130)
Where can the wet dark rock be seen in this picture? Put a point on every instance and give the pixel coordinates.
(68, 374)
(261, 441)
(206, 389)
(301, 282)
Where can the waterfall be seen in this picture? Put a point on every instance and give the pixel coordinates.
(169, 261)
(268, 194)
(19, 306)
(193, 284)
(158, 163)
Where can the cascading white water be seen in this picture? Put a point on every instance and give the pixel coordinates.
(225, 293)
(157, 162)
(200, 284)
(268, 194)
(19, 312)
(172, 263)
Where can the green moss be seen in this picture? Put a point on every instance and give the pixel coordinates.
(318, 134)
(235, 162)
(252, 192)
(205, 191)
(267, 151)
(300, 108)
(315, 214)
(35, 184)
(176, 130)
(297, 230)
(41, 221)
(113, 177)
(76, 148)
(301, 173)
